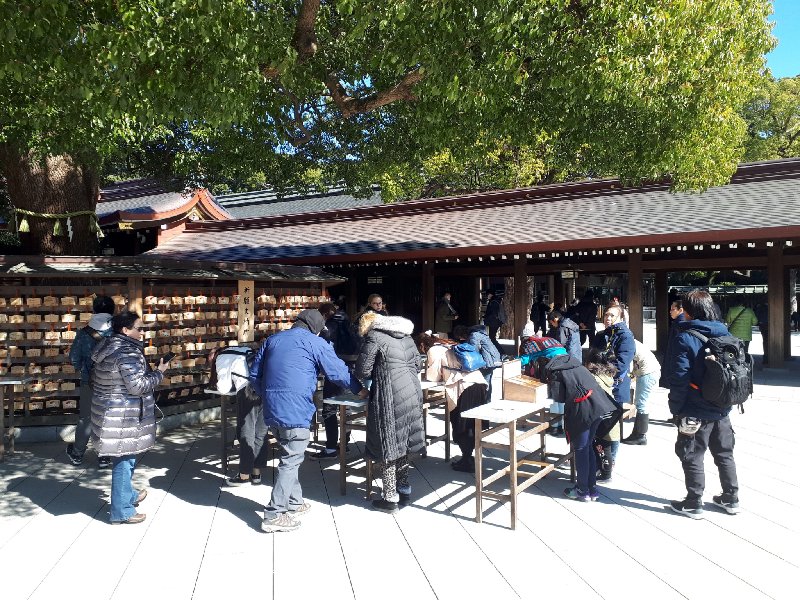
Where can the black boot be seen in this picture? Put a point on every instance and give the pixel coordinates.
(639, 435)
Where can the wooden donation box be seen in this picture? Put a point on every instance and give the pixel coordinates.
(524, 389)
(519, 387)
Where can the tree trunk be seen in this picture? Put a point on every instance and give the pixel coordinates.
(54, 184)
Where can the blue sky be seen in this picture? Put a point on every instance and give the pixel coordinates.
(784, 61)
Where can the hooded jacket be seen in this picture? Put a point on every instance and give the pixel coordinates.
(123, 406)
(583, 397)
(483, 344)
(80, 353)
(568, 335)
(390, 358)
(285, 371)
(686, 370)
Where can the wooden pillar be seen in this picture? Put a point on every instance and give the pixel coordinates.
(475, 301)
(520, 294)
(790, 282)
(551, 290)
(776, 281)
(135, 294)
(662, 311)
(352, 293)
(428, 297)
(558, 294)
(635, 311)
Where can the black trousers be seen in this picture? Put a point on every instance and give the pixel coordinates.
(463, 430)
(251, 432)
(717, 436)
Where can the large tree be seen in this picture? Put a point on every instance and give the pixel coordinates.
(773, 120)
(341, 90)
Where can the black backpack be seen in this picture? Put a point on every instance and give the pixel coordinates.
(728, 378)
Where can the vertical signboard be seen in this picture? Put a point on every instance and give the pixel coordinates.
(246, 311)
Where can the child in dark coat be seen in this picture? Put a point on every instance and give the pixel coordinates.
(585, 405)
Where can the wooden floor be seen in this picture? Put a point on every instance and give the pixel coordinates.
(202, 540)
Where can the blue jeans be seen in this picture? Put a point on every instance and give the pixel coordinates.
(83, 430)
(645, 385)
(122, 493)
(585, 462)
(287, 493)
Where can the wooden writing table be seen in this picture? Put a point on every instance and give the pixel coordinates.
(4, 381)
(350, 422)
(508, 413)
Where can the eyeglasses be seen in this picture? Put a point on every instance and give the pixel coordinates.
(376, 303)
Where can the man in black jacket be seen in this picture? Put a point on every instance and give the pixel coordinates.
(701, 425)
(494, 318)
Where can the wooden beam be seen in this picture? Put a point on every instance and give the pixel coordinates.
(662, 311)
(135, 299)
(520, 294)
(428, 299)
(635, 312)
(777, 302)
(352, 293)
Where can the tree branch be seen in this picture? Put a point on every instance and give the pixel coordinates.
(350, 106)
(304, 39)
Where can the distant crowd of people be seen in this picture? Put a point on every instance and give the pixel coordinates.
(276, 386)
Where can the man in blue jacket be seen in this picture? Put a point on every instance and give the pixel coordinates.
(80, 355)
(285, 373)
(701, 425)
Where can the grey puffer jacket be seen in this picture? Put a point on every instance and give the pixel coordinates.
(390, 358)
(123, 406)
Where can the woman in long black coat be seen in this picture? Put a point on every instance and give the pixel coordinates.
(390, 359)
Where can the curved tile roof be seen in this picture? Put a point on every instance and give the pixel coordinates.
(762, 201)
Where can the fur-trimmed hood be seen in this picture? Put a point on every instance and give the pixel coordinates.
(397, 326)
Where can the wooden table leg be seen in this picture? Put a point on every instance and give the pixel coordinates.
(343, 449)
(478, 471)
(447, 430)
(512, 457)
(223, 413)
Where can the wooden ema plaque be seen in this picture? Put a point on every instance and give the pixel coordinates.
(524, 389)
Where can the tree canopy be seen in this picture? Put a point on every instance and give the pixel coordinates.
(773, 120)
(327, 91)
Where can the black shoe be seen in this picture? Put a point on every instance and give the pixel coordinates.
(465, 465)
(325, 454)
(636, 440)
(385, 506)
(255, 479)
(238, 480)
(405, 499)
(73, 458)
(103, 462)
(604, 476)
(727, 502)
(687, 509)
